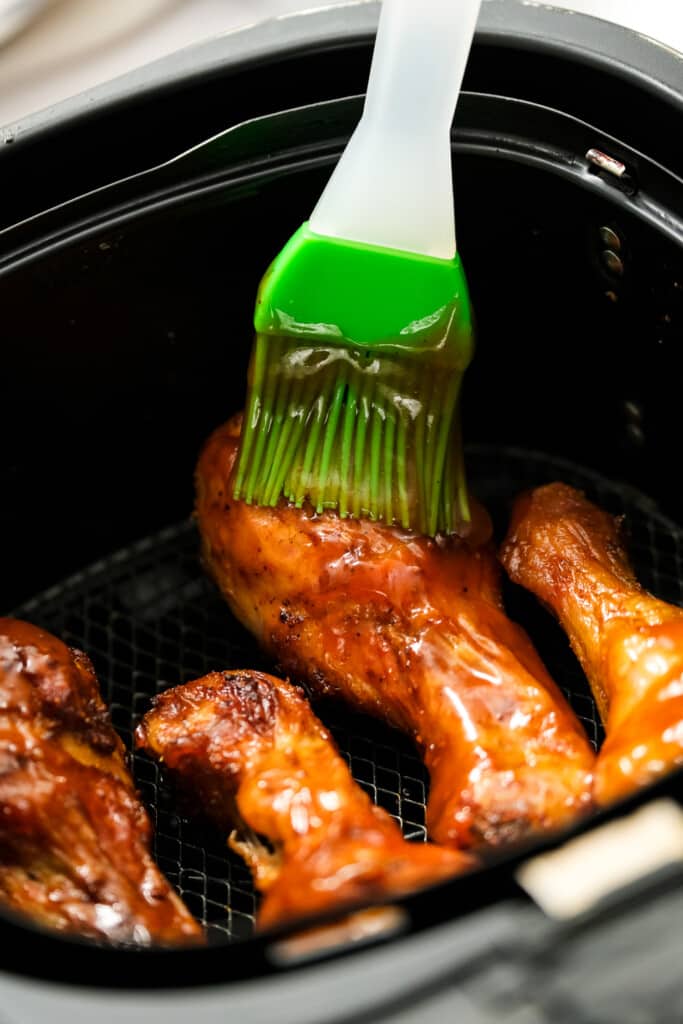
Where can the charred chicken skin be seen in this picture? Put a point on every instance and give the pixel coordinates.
(248, 750)
(569, 553)
(410, 630)
(74, 838)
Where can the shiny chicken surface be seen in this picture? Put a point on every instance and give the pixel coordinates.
(74, 838)
(569, 553)
(247, 749)
(414, 632)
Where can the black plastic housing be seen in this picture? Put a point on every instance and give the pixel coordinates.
(126, 315)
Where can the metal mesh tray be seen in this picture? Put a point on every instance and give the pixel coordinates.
(149, 619)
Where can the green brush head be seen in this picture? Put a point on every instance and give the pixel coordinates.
(354, 384)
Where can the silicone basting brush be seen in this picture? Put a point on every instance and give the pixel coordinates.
(363, 321)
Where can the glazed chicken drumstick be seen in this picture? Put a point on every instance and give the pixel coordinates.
(413, 631)
(568, 552)
(248, 750)
(74, 838)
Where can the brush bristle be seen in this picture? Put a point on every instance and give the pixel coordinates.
(370, 434)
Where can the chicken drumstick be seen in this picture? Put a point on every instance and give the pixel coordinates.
(568, 552)
(413, 631)
(74, 838)
(248, 750)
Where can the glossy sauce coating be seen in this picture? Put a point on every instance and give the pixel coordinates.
(569, 553)
(74, 838)
(250, 754)
(413, 631)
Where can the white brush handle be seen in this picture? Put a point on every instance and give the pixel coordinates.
(393, 185)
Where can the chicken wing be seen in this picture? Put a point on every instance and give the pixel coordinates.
(411, 630)
(74, 838)
(248, 750)
(568, 552)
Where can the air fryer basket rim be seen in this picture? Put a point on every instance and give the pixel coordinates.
(31, 951)
(239, 152)
(109, 123)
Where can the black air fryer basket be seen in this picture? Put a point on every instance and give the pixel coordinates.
(126, 332)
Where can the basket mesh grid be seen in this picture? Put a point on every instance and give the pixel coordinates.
(149, 619)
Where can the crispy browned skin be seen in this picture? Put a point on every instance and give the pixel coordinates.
(568, 552)
(410, 630)
(250, 753)
(74, 838)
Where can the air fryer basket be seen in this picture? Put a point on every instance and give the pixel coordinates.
(127, 323)
(150, 619)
